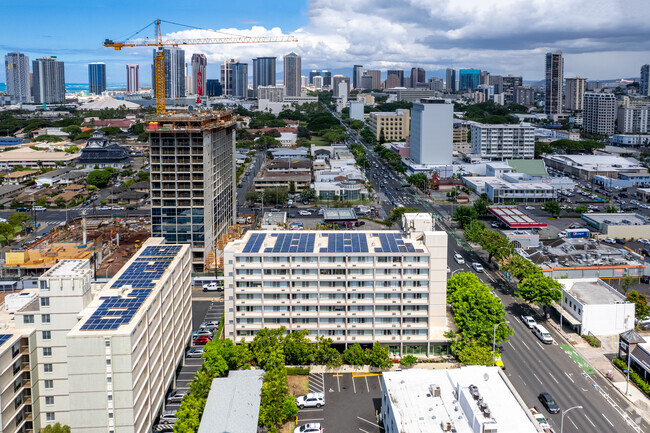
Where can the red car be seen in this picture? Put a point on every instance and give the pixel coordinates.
(201, 340)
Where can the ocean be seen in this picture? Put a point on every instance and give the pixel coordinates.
(78, 87)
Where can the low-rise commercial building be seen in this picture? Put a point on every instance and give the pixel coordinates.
(28, 157)
(301, 181)
(503, 141)
(18, 177)
(619, 225)
(353, 287)
(585, 167)
(392, 126)
(630, 140)
(500, 190)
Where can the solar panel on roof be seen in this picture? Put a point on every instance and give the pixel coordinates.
(115, 311)
(394, 243)
(254, 243)
(345, 243)
(292, 243)
(4, 338)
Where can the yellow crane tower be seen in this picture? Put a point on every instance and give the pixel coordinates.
(159, 43)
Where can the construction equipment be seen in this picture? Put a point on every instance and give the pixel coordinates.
(159, 43)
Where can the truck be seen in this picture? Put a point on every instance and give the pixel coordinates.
(244, 220)
(363, 210)
(574, 233)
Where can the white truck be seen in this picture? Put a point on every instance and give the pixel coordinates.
(363, 210)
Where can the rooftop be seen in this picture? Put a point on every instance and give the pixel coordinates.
(425, 400)
(630, 219)
(21, 173)
(514, 217)
(28, 154)
(531, 167)
(591, 291)
(66, 268)
(597, 162)
(339, 214)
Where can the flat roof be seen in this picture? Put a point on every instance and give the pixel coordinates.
(514, 217)
(629, 219)
(28, 154)
(591, 291)
(67, 268)
(233, 404)
(339, 214)
(418, 408)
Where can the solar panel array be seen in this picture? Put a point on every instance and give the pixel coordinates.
(4, 338)
(293, 243)
(116, 311)
(254, 243)
(346, 243)
(149, 266)
(161, 251)
(394, 243)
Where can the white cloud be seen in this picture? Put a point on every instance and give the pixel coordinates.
(601, 38)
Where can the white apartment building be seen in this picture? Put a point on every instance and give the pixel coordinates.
(633, 120)
(353, 287)
(432, 132)
(271, 93)
(599, 113)
(574, 93)
(503, 141)
(99, 359)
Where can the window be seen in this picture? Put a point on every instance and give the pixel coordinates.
(47, 351)
(47, 368)
(110, 414)
(28, 318)
(43, 285)
(49, 400)
(47, 335)
(108, 362)
(110, 397)
(45, 318)
(49, 416)
(45, 302)
(109, 379)
(108, 342)
(49, 384)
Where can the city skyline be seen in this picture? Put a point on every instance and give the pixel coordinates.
(606, 42)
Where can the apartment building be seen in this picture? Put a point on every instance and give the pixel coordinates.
(599, 113)
(575, 90)
(353, 287)
(395, 126)
(554, 83)
(633, 120)
(99, 359)
(503, 141)
(193, 179)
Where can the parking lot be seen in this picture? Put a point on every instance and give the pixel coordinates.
(352, 402)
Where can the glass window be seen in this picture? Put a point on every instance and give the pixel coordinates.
(47, 351)
(49, 416)
(49, 384)
(45, 318)
(108, 342)
(47, 368)
(28, 318)
(45, 301)
(49, 400)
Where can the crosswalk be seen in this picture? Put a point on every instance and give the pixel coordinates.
(316, 382)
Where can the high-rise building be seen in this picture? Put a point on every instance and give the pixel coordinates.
(524, 96)
(356, 110)
(432, 132)
(239, 80)
(174, 61)
(352, 287)
(271, 93)
(574, 93)
(193, 180)
(418, 76)
(436, 84)
(49, 81)
(214, 88)
(633, 120)
(199, 74)
(391, 125)
(96, 78)
(132, 78)
(17, 73)
(313, 73)
(263, 72)
(318, 82)
(644, 82)
(468, 79)
(226, 76)
(394, 78)
(599, 113)
(450, 82)
(554, 83)
(500, 142)
(357, 72)
(508, 88)
(190, 88)
(497, 82)
(376, 79)
(336, 80)
(327, 78)
(484, 78)
(292, 68)
(366, 82)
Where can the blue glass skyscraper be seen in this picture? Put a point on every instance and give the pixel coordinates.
(468, 79)
(96, 78)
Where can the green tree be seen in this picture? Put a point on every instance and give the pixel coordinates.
(60, 202)
(71, 130)
(542, 149)
(640, 302)
(56, 428)
(41, 202)
(48, 138)
(189, 414)
(72, 149)
(253, 196)
(408, 361)
(497, 245)
(539, 289)
(265, 342)
(356, 124)
(308, 194)
(419, 179)
(465, 215)
(325, 354)
(99, 178)
(581, 209)
(17, 218)
(274, 390)
(298, 349)
(292, 187)
(355, 355)
(519, 267)
(6, 233)
(552, 207)
(143, 175)
(463, 280)
(334, 135)
(275, 195)
(475, 231)
(627, 283)
(480, 206)
(111, 130)
(610, 209)
(473, 353)
(379, 356)
(382, 136)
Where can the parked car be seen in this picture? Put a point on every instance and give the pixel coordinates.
(105, 208)
(213, 287)
(176, 396)
(201, 340)
(644, 241)
(117, 208)
(609, 241)
(168, 417)
(459, 259)
(477, 267)
(548, 402)
(304, 213)
(202, 332)
(359, 223)
(40, 208)
(291, 215)
(195, 352)
(313, 399)
(528, 321)
(130, 208)
(210, 324)
(312, 427)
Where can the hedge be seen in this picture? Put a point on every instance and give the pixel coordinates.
(593, 341)
(297, 371)
(636, 379)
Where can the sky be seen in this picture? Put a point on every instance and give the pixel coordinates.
(601, 39)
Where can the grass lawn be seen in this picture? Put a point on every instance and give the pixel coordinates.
(318, 141)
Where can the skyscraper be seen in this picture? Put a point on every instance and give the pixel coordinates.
(432, 129)
(49, 81)
(199, 76)
(554, 82)
(327, 78)
(376, 78)
(174, 72)
(394, 78)
(17, 73)
(451, 80)
(575, 90)
(226, 76)
(468, 79)
(644, 87)
(313, 73)
(418, 76)
(292, 68)
(484, 78)
(598, 116)
(508, 88)
(214, 88)
(96, 78)
(239, 80)
(497, 82)
(335, 85)
(132, 78)
(263, 72)
(357, 72)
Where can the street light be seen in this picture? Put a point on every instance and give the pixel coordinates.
(494, 340)
(564, 413)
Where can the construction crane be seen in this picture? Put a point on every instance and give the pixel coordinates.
(159, 43)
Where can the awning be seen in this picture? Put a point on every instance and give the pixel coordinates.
(641, 357)
(566, 316)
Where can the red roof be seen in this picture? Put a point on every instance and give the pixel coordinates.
(513, 217)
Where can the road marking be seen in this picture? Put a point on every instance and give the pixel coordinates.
(610, 423)
(380, 387)
(311, 410)
(337, 375)
(338, 381)
(524, 343)
(370, 422)
(574, 424)
(590, 422)
(588, 369)
(367, 386)
(553, 378)
(542, 347)
(363, 430)
(567, 375)
(538, 379)
(353, 385)
(365, 374)
(312, 419)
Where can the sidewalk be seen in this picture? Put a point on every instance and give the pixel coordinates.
(366, 369)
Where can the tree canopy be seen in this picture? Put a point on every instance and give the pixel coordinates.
(99, 178)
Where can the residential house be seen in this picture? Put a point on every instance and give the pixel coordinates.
(18, 177)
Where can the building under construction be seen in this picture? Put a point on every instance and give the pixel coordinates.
(193, 180)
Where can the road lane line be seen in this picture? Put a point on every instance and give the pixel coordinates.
(610, 423)
(574, 424)
(565, 373)
(367, 386)
(549, 373)
(338, 381)
(542, 347)
(353, 385)
(524, 343)
(312, 419)
(363, 430)
(538, 379)
(380, 387)
(590, 422)
(370, 422)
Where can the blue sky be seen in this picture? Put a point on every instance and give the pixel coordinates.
(601, 39)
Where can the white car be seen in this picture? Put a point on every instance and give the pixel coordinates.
(117, 208)
(195, 352)
(304, 213)
(459, 259)
(40, 208)
(644, 241)
(528, 321)
(530, 208)
(3, 220)
(312, 427)
(313, 399)
(176, 396)
(168, 417)
(105, 208)
(477, 267)
(213, 287)
(609, 241)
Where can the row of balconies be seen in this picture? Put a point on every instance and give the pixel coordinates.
(333, 314)
(268, 264)
(330, 302)
(301, 289)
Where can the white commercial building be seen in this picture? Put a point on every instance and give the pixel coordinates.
(432, 132)
(501, 190)
(473, 399)
(353, 287)
(599, 113)
(630, 139)
(356, 110)
(271, 93)
(633, 120)
(99, 359)
(504, 141)
(595, 307)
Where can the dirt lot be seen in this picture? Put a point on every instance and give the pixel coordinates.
(298, 385)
